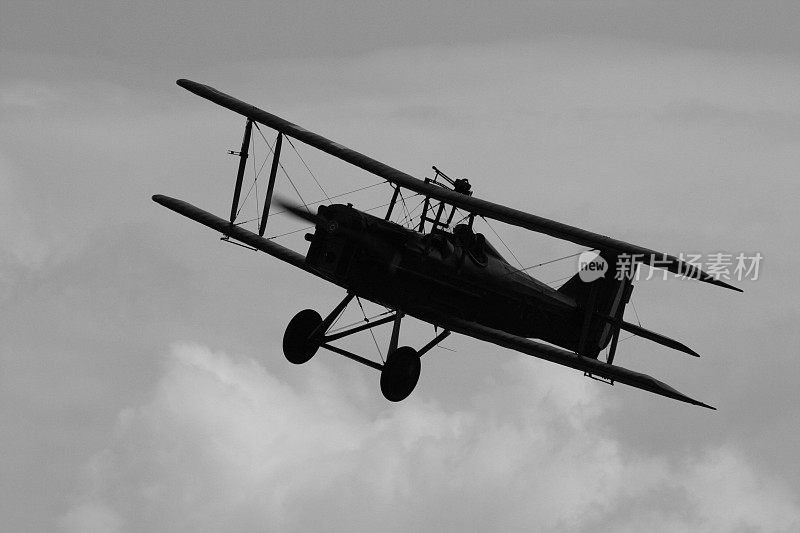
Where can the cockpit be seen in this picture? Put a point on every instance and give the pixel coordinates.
(462, 238)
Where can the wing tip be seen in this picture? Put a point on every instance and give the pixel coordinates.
(701, 404)
(719, 283)
(191, 86)
(672, 393)
(685, 349)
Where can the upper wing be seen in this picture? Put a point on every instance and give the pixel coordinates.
(468, 203)
(557, 355)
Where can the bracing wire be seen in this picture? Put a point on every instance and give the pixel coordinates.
(290, 232)
(357, 322)
(284, 170)
(372, 334)
(504, 243)
(405, 220)
(307, 168)
(636, 313)
(256, 174)
(407, 216)
(319, 202)
(414, 211)
(312, 227)
(557, 280)
(410, 214)
(547, 263)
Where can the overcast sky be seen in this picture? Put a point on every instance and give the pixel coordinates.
(142, 384)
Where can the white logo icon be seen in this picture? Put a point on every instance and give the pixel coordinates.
(591, 266)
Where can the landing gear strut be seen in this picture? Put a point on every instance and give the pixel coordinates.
(307, 333)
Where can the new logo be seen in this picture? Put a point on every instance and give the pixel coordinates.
(591, 266)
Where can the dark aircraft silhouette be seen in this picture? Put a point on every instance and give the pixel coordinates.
(445, 274)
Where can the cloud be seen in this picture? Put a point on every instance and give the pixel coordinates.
(221, 444)
(19, 241)
(27, 94)
(648, 143)
(93, 517)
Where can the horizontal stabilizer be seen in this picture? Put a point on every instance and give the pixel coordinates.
(471, 204)
(657, 337)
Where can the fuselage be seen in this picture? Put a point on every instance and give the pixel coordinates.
(458, 273)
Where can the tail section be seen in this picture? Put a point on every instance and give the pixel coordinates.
(602, 288)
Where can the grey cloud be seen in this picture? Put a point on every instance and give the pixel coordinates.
(154, 34)
(220, 443)
(591, 129)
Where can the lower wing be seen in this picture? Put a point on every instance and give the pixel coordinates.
(556, 355)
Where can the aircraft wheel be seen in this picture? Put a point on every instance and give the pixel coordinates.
(400, 374)
(297, 344)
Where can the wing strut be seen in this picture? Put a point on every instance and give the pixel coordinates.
(276, 155)
(616, 321)
(242, 165)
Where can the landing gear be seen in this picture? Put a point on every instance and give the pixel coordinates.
(298, 344)
(307, 332)
(400, 374)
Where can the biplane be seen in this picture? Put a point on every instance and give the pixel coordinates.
(443, 272)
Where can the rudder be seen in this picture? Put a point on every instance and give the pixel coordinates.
(601, 299)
